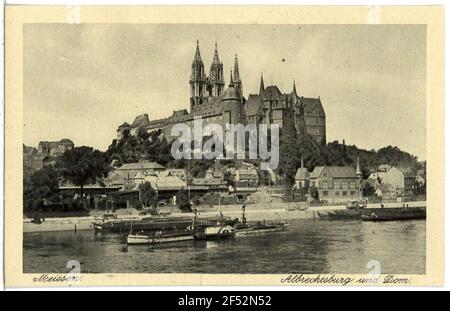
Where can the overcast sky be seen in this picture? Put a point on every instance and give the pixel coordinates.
(82, 81)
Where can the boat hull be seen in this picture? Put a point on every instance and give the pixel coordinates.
(152, 224)
(147, 240)
(376, 214)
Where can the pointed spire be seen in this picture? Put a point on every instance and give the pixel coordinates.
(231, 79)
(261, 84)
(197, 57)
(358, 167)
(301, 161)
(294, 89)
(236, 75)
(216, 56)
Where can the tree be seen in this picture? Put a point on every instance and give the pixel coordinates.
(143, 134)
(314, 193)
(83, 165)
(368, 190)
(147, 195)
(183, 201)
(42, 186)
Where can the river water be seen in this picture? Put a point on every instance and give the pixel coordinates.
(308, 246)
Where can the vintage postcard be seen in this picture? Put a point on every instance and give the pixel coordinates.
(224, 145)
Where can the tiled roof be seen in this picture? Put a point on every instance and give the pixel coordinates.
(165, 182)
(181, 112)
(407, 172)
(334, 172)
(141, 120)
(253, 104)
(140, 166)
(272, 92)
(302, 173)
(312, 104)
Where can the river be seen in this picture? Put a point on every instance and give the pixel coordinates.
(308, 246)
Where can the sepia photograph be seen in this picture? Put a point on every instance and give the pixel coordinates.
(214, 148)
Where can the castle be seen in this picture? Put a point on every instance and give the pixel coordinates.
(216, 105)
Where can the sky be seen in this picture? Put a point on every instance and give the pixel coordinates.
(82, 81)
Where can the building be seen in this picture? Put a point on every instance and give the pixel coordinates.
(400, 179)
(302, 177)
(141, 121)
(55, 148)
(383, 168)
(378, 176)
(122, 129)
(337, 183)
(246, 177)
(215, 104)
(131, 173)
(421, 179)
(271, 106)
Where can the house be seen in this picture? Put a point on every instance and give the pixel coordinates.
(177, 172)
(39, 161)
(337, 183)
(133, 173)
(378, 176)
(421, 179)
(384, 168)
(246, 176)
(301, 177)
(400, 179)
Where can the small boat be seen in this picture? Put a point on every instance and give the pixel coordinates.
(158, 238)
(244, 229)
(214, 232)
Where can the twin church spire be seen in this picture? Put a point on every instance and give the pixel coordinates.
(203, 87)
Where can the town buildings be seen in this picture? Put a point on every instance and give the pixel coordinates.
(392, 182)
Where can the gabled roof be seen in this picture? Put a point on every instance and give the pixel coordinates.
(141, 120)
(334, 172)
(302, 173)
(271, 92)
(311, 104)
(407, 172)
(253, 104)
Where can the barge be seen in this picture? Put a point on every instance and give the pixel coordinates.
(375, 214)
(155, 223)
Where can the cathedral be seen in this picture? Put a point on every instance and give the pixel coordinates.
(215, 104)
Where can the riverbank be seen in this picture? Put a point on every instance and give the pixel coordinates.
(256, 212)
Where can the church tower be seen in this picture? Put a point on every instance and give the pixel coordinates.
(216, 76)
(261, 85)
(237, 82)
(197, 81)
